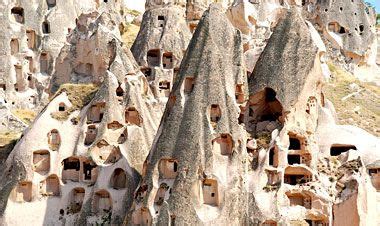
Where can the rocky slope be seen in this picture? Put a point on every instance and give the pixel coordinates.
(85, 135)
(195, 170)
(240, 112)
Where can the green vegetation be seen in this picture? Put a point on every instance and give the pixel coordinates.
(25, 115)
(79, 95)
(354, 106)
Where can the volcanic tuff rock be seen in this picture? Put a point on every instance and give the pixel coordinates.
(199, 136)
(349, 31)
(88, 53)
(94, 143)
(248, 136)
(300, 113)
(349, 26)
(33, 34)
(164, 29)
(149, 4)
(159, 47)
(292, 48)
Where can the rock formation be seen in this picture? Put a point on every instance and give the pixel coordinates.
(30, 44)
(350, 33)
(159, 47)
(286, 101)
(195, 171)
(219, 113)
(81, 159)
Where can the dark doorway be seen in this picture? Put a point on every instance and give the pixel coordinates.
(336, 150)
(294, 144)
(294, 159)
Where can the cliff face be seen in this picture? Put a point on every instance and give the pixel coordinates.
(296, 167)
(195, 171)
(82, 157)
(350, 26)
(217, 115)
(291, 47)
(159, 48)
(33, 34)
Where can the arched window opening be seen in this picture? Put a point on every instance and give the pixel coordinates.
(215, 113)
(161, 21)
(299, 199)
(14, 46)
(273, 157)
(189, 84)
(336, 28)
(161, 194)
(23, 191)
(311, 106)
(297, 175)
(153, 58)
(71, 169)
(374, 173)
(168, 168)
(54, 140)
(223, 144)
(18, 14)
(44, 62)
(96, 112)
(119, 91)
(148, 73)
(20, 84)
(41, 161)
(294, 143)
(115, 125)
(264, 107)
(167, 60)
(51, 3)
(61, 107)
(132, 116)
(274, 178)
(118, 179)
(31, 37)
(91, 134)
(50, 187)
(210, 192)
(89, 170)
(46, 27)
(76, 200)
(164, 88)
(102, 202)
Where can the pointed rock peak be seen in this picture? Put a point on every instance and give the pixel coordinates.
(163, 32)
(200, 128)
(215, 46)
(93, 48)
(286, 61)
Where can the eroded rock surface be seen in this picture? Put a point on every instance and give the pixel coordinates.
(218, 115)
